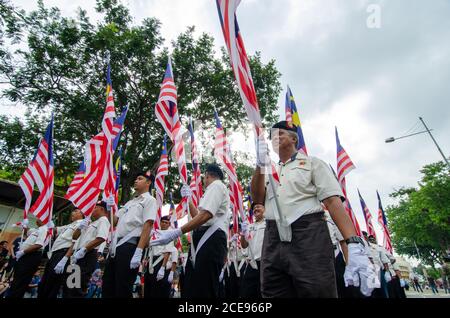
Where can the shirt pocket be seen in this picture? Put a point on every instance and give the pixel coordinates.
(301, 175)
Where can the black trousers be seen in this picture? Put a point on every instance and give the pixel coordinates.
(87, 264)
(51, 282)
(202, 281)
(301, 268)
(251, 281)
(154, 288)
(118, 277)
(232, 282)
(24, 270)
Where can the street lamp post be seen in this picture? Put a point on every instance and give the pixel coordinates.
(392, 139)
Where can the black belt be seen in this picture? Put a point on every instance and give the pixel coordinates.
(134, 240)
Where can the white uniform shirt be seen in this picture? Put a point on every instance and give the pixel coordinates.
(304, 182)
(135, 213)
(97, 229)
(160, 249)
(216, 200)
(375, 255)
(255, 244)
(36, 236)
(173, 257)
(65, 233)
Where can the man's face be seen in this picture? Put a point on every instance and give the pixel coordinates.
(165, 224)
(258, 212)
(141, 183)
(281, 138)
(207, 179)
(98, 212)
(76, 215)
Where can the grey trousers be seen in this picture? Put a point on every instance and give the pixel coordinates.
(301, 268)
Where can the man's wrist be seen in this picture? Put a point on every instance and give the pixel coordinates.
(354, 240)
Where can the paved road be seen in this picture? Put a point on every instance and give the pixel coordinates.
(426, 294)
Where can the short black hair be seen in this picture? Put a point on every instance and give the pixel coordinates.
(214, 170)
(165, 218)
(102, 204)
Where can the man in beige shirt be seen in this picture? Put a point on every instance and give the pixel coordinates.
(300, 262)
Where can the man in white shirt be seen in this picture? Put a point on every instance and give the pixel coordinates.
(157, 279)
(253, 240)
(131, 237)
(28, 259)
(89, 239)
(297, 258)
(52, 280)
(209, 239)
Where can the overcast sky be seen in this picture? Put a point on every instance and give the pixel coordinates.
(372, 83)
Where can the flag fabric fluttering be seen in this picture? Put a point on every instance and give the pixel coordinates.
(174, 222)
(241, 67)
(196, 179)
(293, 119)
(367, 217)
(166, 110)
(98, 159)
(344, 166)
(222, 153)
(162, 172)
(383, 222)
(40, 171)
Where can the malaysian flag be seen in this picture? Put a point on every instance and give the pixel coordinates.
(241, 67)
(162, 172)
(98, 159)
(249, 206)
(40, 171)
(383, 222)
(367, 217)
(344, 166)
(293, 119)
(167, 113)
(196, 180)
(223, 155)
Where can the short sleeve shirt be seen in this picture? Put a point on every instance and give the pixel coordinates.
(65, 233)
(135, 213)
(36, 237)
(97, 229)
(305, 181)
(216, 200)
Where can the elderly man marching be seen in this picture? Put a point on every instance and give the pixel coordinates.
(209, 240)
(297, 257)
(134, 223)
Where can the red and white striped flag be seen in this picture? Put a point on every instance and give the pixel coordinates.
(98, 161)
(223, 155)
(344, 166)
(240, 65)
(162, 172)
(40, 171)
(167, 113)
(196, 180)
(367, 217)
(383, 222)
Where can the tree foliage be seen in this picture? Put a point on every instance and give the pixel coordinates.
(60, 67)
(422, 216)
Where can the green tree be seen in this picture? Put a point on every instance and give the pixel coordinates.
(62, 69)
(420, 222)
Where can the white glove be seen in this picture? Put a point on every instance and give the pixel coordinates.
(25, 223)
(221, 276)
(358, 269)
(80, 253)
(84, 224)
(19, 254)
(160, 274)
(244, 228)
(59, 268)
(170, 278)
(387, 276)
(110, 201)
(262, 152)
(165, 237)
(186, 191)
(136, 259)
(50, 224)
